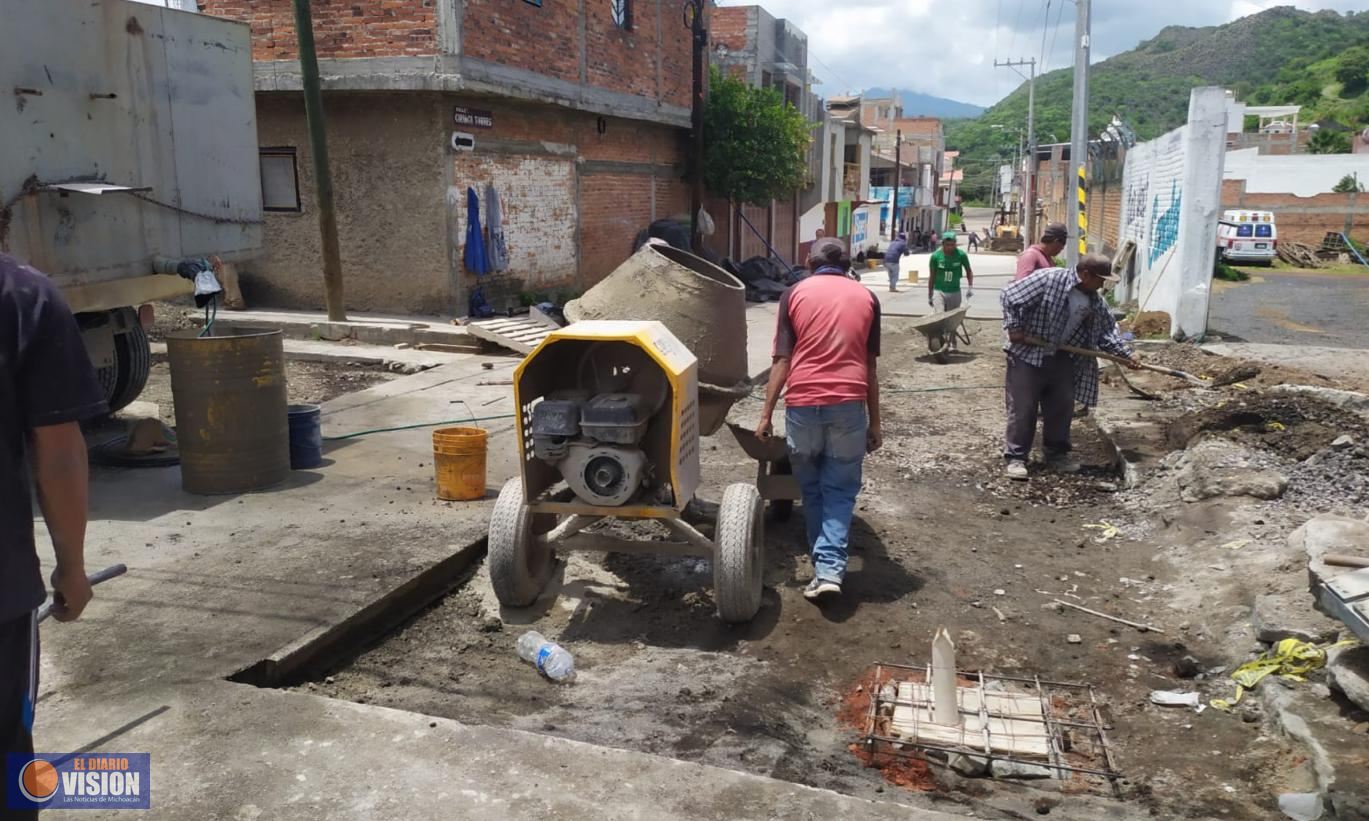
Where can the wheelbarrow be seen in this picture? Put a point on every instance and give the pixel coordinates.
(941, 330)
(774, 473)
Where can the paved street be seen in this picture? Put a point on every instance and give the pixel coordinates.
(992, 273)
(1293, 308)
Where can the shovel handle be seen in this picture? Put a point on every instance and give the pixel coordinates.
(95, 578)
(1120, 361)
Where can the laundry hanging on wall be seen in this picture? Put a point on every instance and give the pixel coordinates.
(477, 262)
(496, 250)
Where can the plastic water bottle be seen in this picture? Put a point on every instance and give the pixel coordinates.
(551, 659)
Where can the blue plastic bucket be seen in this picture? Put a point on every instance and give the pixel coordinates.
(306, 437)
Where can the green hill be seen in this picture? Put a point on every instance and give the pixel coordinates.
(1280, 55)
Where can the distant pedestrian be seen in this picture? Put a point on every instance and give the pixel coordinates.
(974, 241)
(1042, 255)
(47, 386)
(892, 255)
(826, 344)
(1053, 307)
(947, 266)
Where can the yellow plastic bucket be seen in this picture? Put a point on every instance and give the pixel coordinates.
(912, 275)
(459, 463)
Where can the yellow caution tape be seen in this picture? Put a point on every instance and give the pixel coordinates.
(1108, 529)
(1274, 426)
(1290, 658)
(1240, 386)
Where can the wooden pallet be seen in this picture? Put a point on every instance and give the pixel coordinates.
(519, 334)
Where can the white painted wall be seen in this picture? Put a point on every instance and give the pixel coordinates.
(1171, 194)
(811, 220)
(1303, 175)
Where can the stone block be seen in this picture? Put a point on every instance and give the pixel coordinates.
(1291, 616)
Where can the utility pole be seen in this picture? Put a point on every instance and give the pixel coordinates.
(323, 178)
(898, 177)
(1029, 173)
(1079, 133)
(696, 19)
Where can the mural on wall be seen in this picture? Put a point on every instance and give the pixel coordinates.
(1136, 201)
(1164, 232)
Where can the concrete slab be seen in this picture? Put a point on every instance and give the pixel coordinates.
(312, 350)
(1331, 363)
(376, 329)
(223, 750)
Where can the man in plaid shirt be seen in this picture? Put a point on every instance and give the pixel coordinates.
(1055, 306)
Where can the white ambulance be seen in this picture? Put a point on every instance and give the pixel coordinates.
(1247, 236)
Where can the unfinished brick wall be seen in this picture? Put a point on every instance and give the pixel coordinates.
(1304, 219)
(651, 58)
(613, 208)
(727, 26)
(628, 174)
(545, 38)
(1105, 214)
(342, 28)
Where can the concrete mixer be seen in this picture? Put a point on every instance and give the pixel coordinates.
(702, 305)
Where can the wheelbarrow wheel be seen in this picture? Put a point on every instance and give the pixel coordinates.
(519, 565)
(781, 509)
(937, 345)
(739, 553)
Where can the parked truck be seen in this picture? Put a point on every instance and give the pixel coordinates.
(129, 146)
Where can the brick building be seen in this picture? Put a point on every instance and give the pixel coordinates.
(765, 52)
(577, 114)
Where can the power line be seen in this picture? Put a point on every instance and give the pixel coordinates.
(1045, 26)
(1045, 62)
(997, 24)
(1017, 21)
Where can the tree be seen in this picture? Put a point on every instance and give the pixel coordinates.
(755, 144)
(1353, 71)
(1347, 185)
(1327, 141)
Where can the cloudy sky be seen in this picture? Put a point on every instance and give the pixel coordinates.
(948, 49)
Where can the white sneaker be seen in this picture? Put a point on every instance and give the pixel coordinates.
(820, 588)
(1016, 470)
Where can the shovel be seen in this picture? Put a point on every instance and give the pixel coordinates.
(39, 616)
(1178, 374)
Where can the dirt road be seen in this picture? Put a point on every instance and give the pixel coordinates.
(940, 539)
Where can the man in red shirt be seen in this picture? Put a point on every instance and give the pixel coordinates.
(1043, 254)
(826, 343)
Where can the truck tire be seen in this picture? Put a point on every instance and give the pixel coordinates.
(739, 554)
(125, 379)
(519, 566)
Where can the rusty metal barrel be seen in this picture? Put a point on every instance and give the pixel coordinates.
(232, 426)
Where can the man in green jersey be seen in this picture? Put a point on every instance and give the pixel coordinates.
(947, 266)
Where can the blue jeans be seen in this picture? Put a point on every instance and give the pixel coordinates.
(891, 268)
(827, 447)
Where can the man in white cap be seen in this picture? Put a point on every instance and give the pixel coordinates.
(1053, 307)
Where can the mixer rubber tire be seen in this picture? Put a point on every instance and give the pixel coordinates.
(519, 565)
(739, 553)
